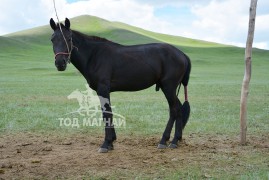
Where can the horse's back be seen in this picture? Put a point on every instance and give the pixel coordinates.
(163, 60)
(141, 66)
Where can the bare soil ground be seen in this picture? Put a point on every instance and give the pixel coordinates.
(39, 156)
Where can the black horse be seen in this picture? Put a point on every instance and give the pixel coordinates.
(108, 67)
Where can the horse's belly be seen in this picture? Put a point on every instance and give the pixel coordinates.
(133, 83)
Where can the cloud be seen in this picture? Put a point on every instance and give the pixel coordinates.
(224, 21)
(127, 11)
(227, 22)
(178, 3)
(18, 15)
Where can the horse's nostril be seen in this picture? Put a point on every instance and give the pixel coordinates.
(60, 65)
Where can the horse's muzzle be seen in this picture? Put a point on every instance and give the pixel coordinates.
(60, 64)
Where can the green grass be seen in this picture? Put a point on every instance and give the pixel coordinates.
(33, 94)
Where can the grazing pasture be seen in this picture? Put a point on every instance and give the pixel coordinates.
(33, 95)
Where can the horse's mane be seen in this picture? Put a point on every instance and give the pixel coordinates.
(94, 38)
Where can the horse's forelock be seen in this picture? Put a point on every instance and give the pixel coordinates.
(61, 24)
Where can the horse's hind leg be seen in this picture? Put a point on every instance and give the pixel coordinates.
(169, 90)
(178, 125)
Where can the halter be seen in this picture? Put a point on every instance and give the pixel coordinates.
(68, 50)
(63, 53)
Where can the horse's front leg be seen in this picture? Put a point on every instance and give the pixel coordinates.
(103, 93)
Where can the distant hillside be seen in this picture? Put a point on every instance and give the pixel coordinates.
(114, 31)
(37, 40)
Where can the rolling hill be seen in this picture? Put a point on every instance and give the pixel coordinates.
(39, 38)
(36, 43)
(212, 61)
(114, 31)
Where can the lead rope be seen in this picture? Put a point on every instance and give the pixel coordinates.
(68, 50)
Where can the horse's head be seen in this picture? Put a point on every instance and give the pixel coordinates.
(62, 43)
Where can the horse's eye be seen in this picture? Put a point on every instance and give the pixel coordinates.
(52, 37)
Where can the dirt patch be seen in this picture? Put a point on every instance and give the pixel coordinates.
(36, 156)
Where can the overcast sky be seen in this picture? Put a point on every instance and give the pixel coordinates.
(223, 21)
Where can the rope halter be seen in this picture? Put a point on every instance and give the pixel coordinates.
(69, 51)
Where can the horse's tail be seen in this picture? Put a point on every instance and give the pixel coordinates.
(186, 105)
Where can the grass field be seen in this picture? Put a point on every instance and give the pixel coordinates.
(34, 95)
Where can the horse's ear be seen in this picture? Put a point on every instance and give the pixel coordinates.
(52, 24)
(67, 23)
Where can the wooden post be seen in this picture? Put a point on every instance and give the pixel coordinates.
(247, 76)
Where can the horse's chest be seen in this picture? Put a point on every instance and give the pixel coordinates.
(92, 84)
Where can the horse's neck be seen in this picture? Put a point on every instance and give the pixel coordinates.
(84, 48)
(80, 53)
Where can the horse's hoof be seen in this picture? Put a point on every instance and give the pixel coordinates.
(110, 148)
(172, 146)
(162, 146)
(103, 150)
